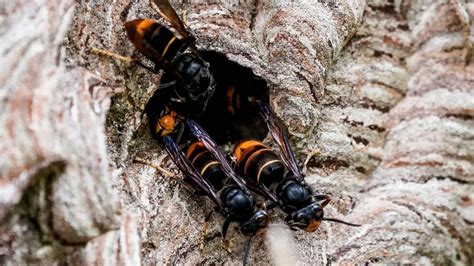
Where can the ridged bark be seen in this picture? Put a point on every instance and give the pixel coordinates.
(383, 89)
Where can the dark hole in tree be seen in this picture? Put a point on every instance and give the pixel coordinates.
(244, 122)
(231, 115)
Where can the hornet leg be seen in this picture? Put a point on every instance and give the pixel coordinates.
(163, 171)
(323, 198)
(127, 59)
(225, 243)
(269, 205)
(309, 157)
(156, 166)
(203, 231)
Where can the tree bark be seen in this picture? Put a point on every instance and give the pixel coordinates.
(383, 89)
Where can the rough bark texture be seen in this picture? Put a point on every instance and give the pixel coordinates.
(56, 191)
(384, 90)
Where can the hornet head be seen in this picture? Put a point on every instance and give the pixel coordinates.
(255, 224)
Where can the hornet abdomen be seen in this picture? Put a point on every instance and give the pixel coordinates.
(255, 161)
(208, 167)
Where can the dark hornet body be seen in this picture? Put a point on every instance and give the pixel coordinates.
(195, 83)
(263, 169)
(190, 85)
(255, 161)
(232, 201)
(264, 172)
(208, 167)
(239, 205)
(231, 197)
(258, 164)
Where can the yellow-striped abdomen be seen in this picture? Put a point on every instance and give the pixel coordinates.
(257, 162)
(208, 167)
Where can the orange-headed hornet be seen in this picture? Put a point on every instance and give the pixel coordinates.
(214, 179)
(191, 85)
(265, 174)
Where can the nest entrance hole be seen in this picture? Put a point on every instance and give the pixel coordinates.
(229, 117)
(223, 122)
